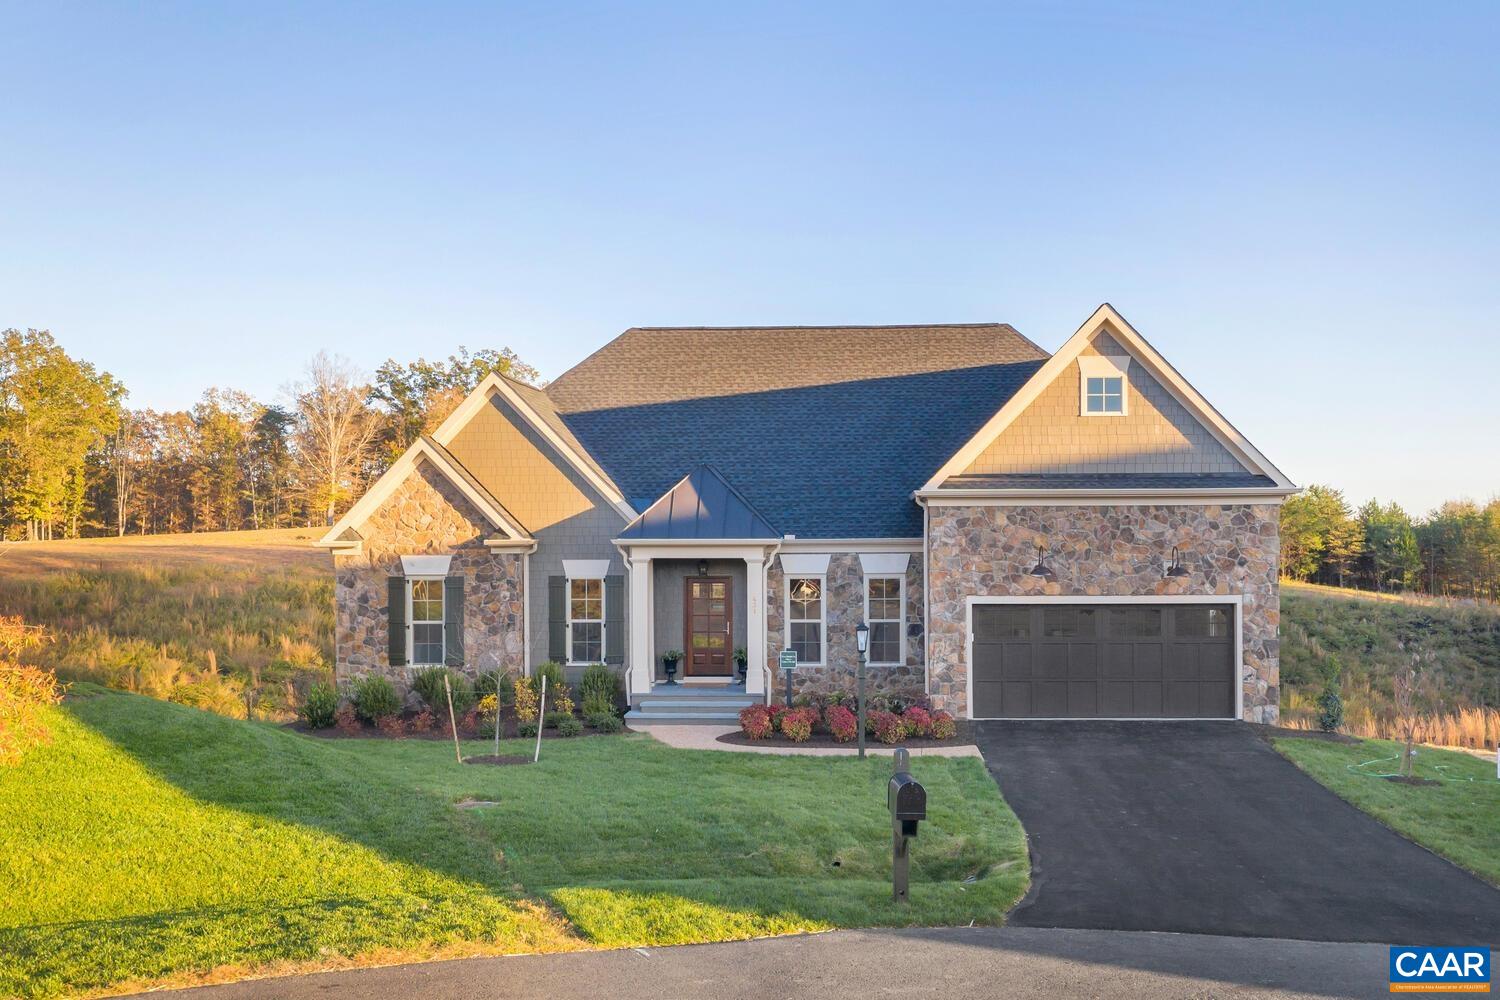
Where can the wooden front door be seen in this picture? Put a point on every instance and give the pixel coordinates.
(708, 626)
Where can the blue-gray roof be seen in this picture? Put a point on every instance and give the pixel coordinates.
(702, 505)
(825, 431)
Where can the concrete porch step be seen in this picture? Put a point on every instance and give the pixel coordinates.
(703, 718)
(694, 704)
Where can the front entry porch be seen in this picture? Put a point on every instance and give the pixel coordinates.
(680, 704)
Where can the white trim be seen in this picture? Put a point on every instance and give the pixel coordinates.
(1238, 600)
(1156, 365)
(586, 569)
(425, 565)
(494, 385)
(882, 563)
(852, 545)
(804, 564)
(786, 586)
(1103, 366)
(1100, 498)
(900, 620)
(420, 451)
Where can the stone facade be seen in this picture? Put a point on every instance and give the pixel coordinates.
(1105, 550)
(427, 515)
(844, 601)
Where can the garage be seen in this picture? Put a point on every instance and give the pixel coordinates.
(1102, 661)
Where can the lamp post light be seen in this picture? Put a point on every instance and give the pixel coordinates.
(861, 640)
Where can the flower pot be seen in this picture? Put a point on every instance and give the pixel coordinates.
(744, 669)
(671, 668)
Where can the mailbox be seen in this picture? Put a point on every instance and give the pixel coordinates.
(907, 800)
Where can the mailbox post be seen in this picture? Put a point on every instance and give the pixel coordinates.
(907, 800)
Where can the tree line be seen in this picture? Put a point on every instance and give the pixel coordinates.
(76, 460)
(1454, 551)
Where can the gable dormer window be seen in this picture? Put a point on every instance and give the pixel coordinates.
(1103, 386)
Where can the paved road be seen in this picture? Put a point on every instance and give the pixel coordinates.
(942, 964)
(1203, 828)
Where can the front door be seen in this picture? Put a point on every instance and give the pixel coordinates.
(708, 626)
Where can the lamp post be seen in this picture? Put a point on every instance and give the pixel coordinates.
(861, 640)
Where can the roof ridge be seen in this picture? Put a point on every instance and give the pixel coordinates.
(829, 326)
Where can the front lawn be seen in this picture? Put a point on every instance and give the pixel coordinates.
(1457, 818)
(154, 842)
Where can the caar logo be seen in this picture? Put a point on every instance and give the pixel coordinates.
(1440, 970)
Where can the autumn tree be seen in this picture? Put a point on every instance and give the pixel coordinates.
(417, 396)
(335, 434)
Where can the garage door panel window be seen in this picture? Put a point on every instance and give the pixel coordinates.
(1002, 621)
(1062, 623)
(1135, 623)
(1202, 623)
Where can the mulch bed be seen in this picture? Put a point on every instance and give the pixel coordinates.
(963, 737)
(435, 733)
(1269, 733)
(504, 760)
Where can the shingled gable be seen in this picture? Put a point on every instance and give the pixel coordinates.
(1258, 476)
(703, 505)
(344, 535)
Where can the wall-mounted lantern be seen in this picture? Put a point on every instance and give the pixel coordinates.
(1177, 570)
(1040, 569)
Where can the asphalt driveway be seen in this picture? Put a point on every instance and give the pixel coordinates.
(1200, 827)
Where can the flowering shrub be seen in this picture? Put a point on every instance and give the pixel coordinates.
(526, 703)
(392, 726)
(918, 721)
(755, 722)
(345, 721)
(422, 722)
(943, 727)
(797, 724)
(841, 722)
(889, 727)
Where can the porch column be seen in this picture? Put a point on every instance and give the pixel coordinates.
(755, 625)
(640, 626)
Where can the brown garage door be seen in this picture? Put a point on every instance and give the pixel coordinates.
(1083, 661)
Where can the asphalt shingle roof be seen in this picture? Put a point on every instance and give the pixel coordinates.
(824, 430)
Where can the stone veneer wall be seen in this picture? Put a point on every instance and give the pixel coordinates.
(1109, 550)
(427, 515)
(844, 600)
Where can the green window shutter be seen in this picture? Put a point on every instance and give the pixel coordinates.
(614, 619)
(395, 617)
(453, 621)
(557, 619)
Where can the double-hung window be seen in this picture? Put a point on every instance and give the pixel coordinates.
(586, 620)
(427, 621)
(805, 618)
(883, 612)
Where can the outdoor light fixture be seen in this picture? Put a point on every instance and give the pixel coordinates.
(862, 637)
(702, 567)
(862, 643)
(1040, 569)
(1177, 569)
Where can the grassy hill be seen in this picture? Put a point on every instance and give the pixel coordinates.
(152, 842)
(1357, 636)
(234, 621)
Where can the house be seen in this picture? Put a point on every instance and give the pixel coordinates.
(1074, 535)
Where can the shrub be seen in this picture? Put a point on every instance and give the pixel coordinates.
(526, 703)
(569, 727)
(555, 719)
(1330, 710)
(918, 721)
(487, 707)
(889, 727)
(551, 670)
(345, 720)
(392, 726)
(797, 724)
(375, 698)
(320, 705)
(562, 702)
(776, 712)
(943, 726)
(471, 722)
(504, 689)
(755, 722)
(605, 722)
(422, 722)
(841, 722)
(428, 684)
(598, 689)
(526, 729)
(835, 698)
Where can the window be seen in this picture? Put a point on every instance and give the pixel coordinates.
(804, 616)
(426, 621)
(1105, 394)
(883, 612)
(1202, 623)
(586, 621)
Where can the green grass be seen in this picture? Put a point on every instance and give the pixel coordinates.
(152, 842)
(1456, 819)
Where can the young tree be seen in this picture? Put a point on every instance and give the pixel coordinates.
(335, 430)
(1413, 694)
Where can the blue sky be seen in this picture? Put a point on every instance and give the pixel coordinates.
(1297, 206)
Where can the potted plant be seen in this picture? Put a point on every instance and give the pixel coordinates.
(669, 661)
(742, 662)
